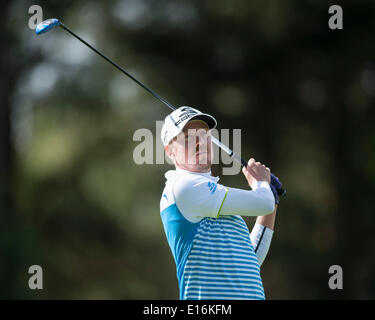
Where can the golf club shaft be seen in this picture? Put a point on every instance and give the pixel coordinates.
(214, 140)
(229, 151)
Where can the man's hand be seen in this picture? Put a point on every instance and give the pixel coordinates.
(255, 171)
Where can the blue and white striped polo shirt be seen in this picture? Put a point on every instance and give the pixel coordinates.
(214, 254)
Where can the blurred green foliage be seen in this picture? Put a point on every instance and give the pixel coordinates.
(74, 201)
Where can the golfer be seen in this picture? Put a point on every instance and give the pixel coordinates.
(216, 257)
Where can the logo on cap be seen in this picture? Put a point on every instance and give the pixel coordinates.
(185, 114)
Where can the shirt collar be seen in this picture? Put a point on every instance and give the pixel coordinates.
(206, 174)
(177, 171)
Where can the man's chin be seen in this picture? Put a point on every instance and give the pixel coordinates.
(202, 158)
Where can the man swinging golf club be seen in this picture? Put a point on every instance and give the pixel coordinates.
(215, 256)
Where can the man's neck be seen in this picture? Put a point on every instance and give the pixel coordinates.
(194, 169)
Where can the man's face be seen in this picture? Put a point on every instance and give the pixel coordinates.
(191, 149)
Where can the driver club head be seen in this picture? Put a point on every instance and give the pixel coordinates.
(46, 25)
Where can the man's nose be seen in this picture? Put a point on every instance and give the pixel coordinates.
(200, 140)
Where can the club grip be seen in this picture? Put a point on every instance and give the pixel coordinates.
(280, 191)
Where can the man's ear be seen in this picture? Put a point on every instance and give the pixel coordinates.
(169, 150)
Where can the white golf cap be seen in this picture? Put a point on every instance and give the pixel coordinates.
(175, 122)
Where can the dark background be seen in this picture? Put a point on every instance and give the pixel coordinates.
(73, 201)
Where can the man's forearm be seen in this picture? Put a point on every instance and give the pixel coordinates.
(268, 220)
(257, 202)
(261, 235)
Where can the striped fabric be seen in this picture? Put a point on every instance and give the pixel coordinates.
(214, 254)
(221, 263)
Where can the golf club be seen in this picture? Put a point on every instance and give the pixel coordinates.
(49, 24)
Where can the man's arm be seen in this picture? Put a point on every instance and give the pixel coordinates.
(268, 220)
(261, 235)
(195, 198)
(256, 202)
(259, 201)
